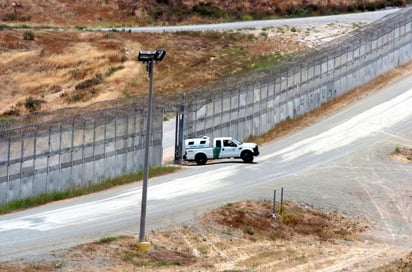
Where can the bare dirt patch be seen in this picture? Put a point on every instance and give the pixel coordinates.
(240, 236)
(403, 154)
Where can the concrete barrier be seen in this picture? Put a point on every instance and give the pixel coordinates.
(253, 104)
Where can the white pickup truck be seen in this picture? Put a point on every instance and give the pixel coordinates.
(200, 149)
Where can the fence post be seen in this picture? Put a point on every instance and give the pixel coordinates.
(59, 186)
(281, 200)
(71, 156)
(274, 204)
(83, 151)
(94, 149)
(8, 170)
(21, 165)
(104, 148)
(48, 160)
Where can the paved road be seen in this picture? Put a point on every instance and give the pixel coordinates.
(298, 22)
(340, 163)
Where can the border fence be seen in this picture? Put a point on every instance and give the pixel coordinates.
(52, 156)
(254, 103)
(53, 152)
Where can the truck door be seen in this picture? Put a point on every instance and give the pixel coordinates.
(229, 149)
(217, 149)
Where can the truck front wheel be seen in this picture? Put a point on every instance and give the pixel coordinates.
(247, 156)
(201, 159)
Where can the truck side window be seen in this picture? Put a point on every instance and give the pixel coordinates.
(218, 143)
(228, 143)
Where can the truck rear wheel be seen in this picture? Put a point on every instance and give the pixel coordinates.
(247, 156)
(201, 159)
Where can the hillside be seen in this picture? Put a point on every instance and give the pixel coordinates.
(42, 69)
(117, 12)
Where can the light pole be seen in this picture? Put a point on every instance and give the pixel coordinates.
(150, 58)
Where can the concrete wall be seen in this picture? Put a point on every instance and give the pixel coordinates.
(56, 156)
(253, 106)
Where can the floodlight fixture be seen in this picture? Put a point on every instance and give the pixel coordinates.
(146, 56)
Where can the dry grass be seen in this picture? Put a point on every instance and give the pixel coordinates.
(53, 65)
(239, 236)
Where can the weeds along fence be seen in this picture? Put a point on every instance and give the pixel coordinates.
(47, 153)
(253, 104)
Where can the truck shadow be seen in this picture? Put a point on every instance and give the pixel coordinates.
(211, 162)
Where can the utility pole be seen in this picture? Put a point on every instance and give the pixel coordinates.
(150, 58)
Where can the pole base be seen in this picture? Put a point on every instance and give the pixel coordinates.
(143, 246)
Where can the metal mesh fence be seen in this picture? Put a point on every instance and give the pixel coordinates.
(251, 104)
(41, 154)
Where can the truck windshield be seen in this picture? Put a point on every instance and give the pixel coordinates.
(237, 142)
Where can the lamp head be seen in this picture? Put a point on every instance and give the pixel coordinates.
(151, 55)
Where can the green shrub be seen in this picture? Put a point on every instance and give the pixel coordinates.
(32, 104)
(113, 69)
(12, 112)
(208, 10)
(10, 17)
(28, 35)
(297, 12)
(248, 230)
(247, 17)
(4, 27)
(89, 82)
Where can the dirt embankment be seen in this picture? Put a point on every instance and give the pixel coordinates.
(238, 236)
(243, 236)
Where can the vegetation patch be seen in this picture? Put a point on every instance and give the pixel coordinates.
(257, 219)
(402, 153)
(97, 79)
(33, 104)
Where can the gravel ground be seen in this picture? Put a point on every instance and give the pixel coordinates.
(370, 184)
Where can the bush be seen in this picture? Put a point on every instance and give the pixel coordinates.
(89, 82)
(113, 69)
(28, 35)
(246, 17)
(297, 12)
(32, 104)
(10, 17)
(10, 113)
(208, 10)
(4, 27)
